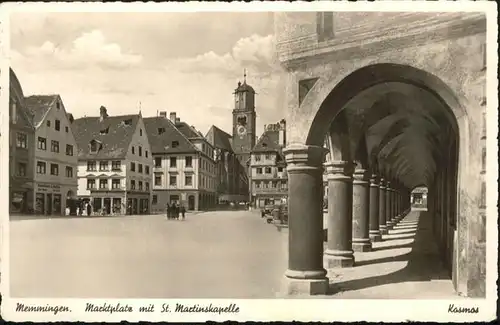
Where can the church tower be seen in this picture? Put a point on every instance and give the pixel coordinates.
(244, 117)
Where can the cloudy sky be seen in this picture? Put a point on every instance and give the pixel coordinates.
(189, 63)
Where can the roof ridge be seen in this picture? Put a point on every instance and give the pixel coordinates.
(182, 134)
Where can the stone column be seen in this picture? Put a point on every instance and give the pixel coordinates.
(360, 211)
(374, 232)
(388, 205)
(395, 214)
(305, 272)
(381, 208)
(339, 251)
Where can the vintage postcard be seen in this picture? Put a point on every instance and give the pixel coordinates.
(267, 161)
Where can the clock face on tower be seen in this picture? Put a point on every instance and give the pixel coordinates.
(241, 130)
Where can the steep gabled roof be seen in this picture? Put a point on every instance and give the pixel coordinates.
(115, 142)
(268, 142)
(219, 139)
(39, 105)
(16, 93)
(188, 131)
(162, 143)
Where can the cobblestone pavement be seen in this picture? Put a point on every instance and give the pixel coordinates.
(210, 255)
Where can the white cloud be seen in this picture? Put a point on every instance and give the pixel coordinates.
(89, 50)
(198, 88)
(255, 53)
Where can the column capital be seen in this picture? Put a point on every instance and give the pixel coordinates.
(301, 157)
(339, 169)
(360, 176)
(382, 183)
(374, 180)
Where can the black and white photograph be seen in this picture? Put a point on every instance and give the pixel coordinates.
(225, 161)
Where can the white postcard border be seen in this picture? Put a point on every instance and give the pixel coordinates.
(266, 309)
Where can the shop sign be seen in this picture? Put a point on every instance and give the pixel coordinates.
(183, 196)
(48, 188)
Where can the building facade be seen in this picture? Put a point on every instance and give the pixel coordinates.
(115, 164)
(21, 150)
(55, 153)
(231, 177)
(268, 167)
(184, 167)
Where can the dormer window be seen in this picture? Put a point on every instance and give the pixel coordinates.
(127, 121)
(94, 146)
(175, 144)
(105, 131)
(264, 144)
(161, 130)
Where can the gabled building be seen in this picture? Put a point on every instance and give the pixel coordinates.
(114, 163)
(269, 180)
(184, 167)
(55, 154)
(231, 176)
(21, 150)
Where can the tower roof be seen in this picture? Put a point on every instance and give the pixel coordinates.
(244, 87)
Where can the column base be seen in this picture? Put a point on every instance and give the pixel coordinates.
(389, 225)
(361, 244)
(297, 287)
(375, 236)
(383, 230)
(338, 259)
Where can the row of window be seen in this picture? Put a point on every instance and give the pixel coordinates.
(172, 180)
(116, 184)
(104, 165)
(173, 162)
(273, 184)
(139, 150)
(54, 146)
(57, 123)
(267, 170)
(266, 157)
(41, 168)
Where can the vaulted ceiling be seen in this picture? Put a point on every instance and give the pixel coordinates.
(406, 131)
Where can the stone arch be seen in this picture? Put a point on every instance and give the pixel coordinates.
(372, 75)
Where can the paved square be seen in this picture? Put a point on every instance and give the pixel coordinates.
(209, 255)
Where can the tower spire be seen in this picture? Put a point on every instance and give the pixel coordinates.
(244, 76)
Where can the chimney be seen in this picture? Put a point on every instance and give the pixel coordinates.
(103, 113)
(173, 117)
(163, 114)
(177, 120)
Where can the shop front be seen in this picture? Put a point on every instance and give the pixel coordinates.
(108, 203)
(21, 198)
(52, 199)
(138, 203)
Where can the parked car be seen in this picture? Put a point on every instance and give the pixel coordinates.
(279, 214)
(267, 210)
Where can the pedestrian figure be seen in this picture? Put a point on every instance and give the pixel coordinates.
(174, 210)
(89, 209)
(183, 212)
(168, 211)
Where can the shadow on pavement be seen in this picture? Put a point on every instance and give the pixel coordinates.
(424, 262)
(383, 248)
